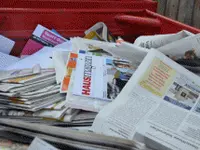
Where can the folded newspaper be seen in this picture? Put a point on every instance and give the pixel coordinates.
(160, 103)
(64, 138)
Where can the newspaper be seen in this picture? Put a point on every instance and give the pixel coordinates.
(123, 50)
(85, 115)
(32, 78)
(160, 40)
(32, 87)
(56, 106)
(56, 114)
(101, 77)
(16, 73)
(181, 48)
(161, 102)
(15, 113)
(127, 51)
(186, 52)
(52, 89)
(46, 101)
(70, 111)
(70, 117)
(66, 138)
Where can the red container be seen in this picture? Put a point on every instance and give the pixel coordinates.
(80, 4)
(128, 20)
(18, 18)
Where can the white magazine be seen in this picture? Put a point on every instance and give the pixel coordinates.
(101, 77)
(84, 103)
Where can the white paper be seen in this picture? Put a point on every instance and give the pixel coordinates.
(39, 144)
(130, 52)
(42, 57)
(59, 60)
(7, 60)
(66, 45)
(6, 45)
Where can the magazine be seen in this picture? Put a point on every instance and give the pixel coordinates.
(101, 77)
(71, 66)
(159, 106)
(41, 37)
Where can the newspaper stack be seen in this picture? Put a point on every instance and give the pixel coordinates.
(32, 95)
(29, 90)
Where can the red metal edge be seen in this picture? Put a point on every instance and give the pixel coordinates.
(78, 4)
(170, 25)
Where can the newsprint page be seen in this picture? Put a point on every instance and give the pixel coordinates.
(159, 106)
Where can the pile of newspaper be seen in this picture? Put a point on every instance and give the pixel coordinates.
(101, 92)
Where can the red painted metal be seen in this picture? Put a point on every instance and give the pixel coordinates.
(18, 18)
